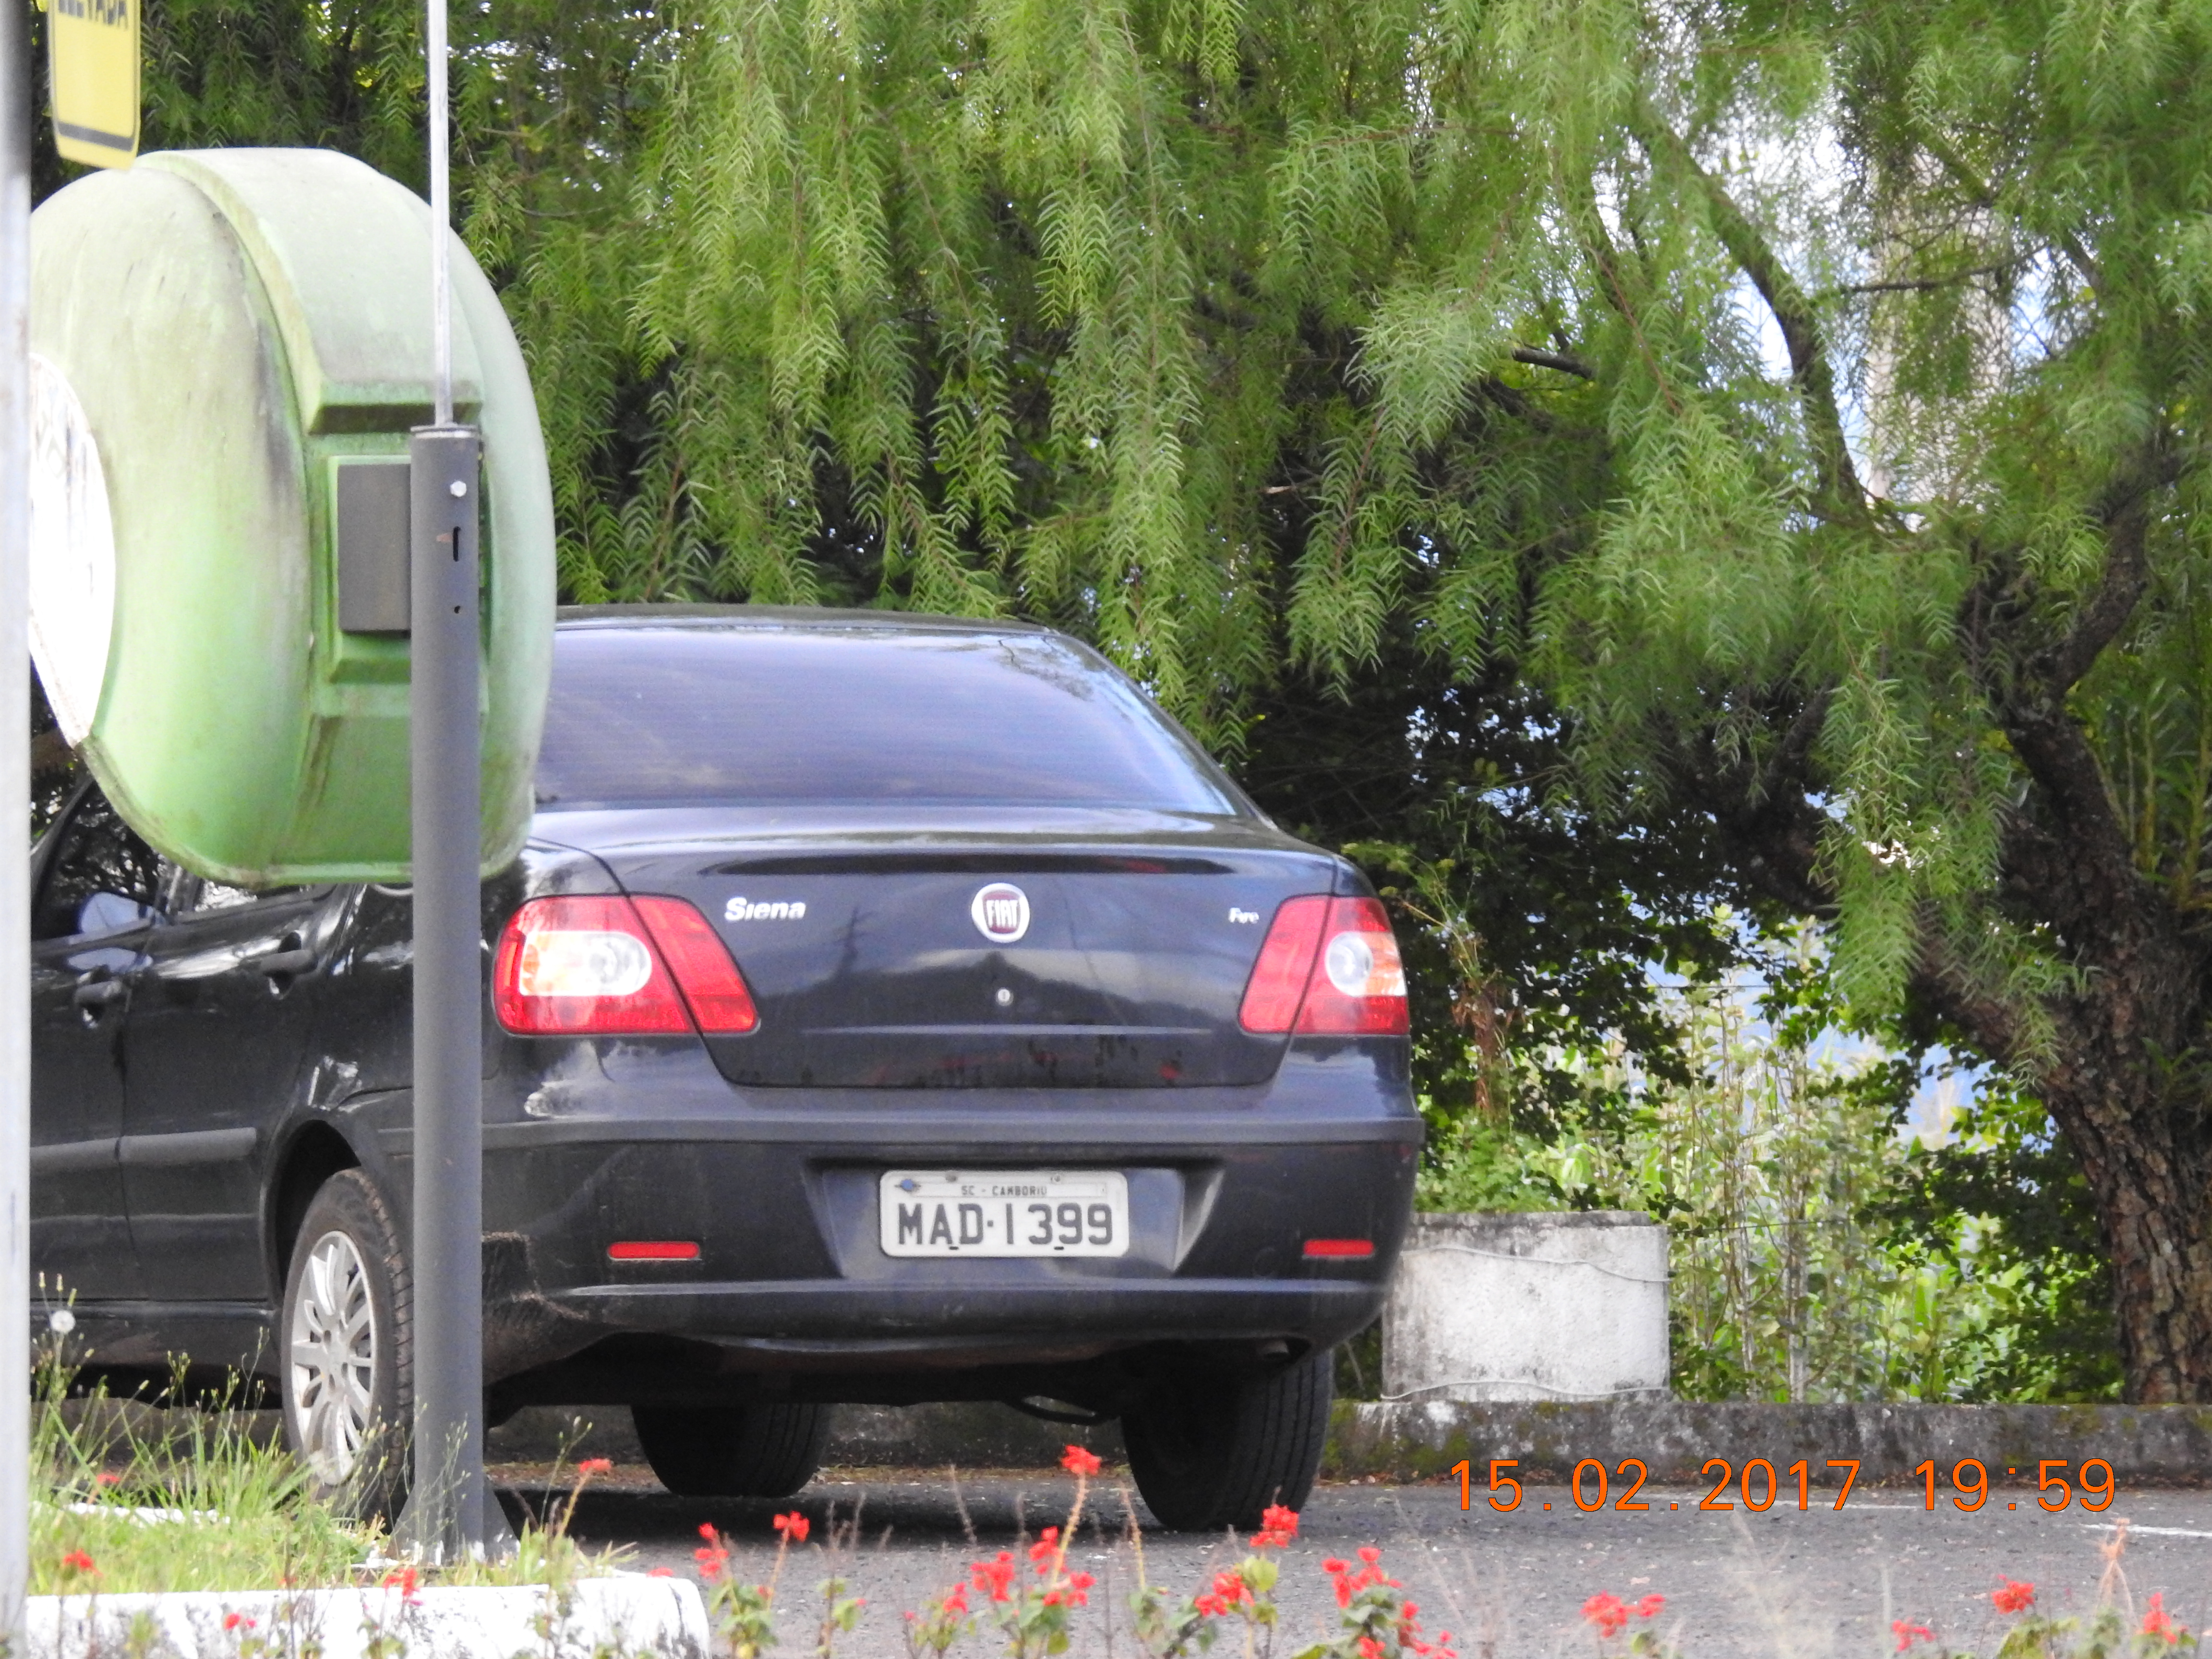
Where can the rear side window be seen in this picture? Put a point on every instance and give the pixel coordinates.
(760, 715)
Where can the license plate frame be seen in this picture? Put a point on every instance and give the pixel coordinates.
(945, 1215)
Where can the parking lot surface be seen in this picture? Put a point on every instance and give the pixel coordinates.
(1780, 1582)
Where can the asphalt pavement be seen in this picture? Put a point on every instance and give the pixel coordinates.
(1783, 1584)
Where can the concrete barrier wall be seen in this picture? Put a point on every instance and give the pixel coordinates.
(1565, 1306)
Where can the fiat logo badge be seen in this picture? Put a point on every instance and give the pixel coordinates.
(1001, 912)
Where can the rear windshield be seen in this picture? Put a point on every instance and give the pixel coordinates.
(756, 714)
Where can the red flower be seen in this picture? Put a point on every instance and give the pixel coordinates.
(1278, 1526)
(1230, 1587)
(793, 1526)
(1080, 1461)
(1649, 1605)
(77, 1561)
(2013, 1596)
(711, 1562)
(707, 1530)
(232, 1620)
(1908, 1634)
(2160, 1623)
(660, 1573)
(996, 1577)
(1370, 1648)
(107, 1478)
(1350, 1584)
(956, 1599)
(1608, 1612)
(596, 1466)
(402, 1579)
(1079, 1588)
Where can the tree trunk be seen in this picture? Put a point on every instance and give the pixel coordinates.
(2127, 1090)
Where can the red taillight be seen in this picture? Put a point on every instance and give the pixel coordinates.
(653, 1250)
(1330, 1250)
(1328, 967)
(710, 981)
(594, 967)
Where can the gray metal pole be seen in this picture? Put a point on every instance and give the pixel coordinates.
(450, 1514)
(446, 1514)
(16, 808)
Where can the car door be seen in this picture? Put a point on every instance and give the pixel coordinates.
(91, 913)
(218, 1032)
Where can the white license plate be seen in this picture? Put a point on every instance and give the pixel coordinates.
(1003, 1212)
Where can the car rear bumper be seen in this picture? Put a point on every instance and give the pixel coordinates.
(779, 1191)
(789, 1324)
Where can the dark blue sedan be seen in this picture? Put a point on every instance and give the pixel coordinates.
(886, 1009)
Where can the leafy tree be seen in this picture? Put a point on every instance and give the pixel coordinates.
(1246, 336)
(1528, 922)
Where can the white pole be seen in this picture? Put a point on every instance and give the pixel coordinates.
(16, 808)
(441, 220)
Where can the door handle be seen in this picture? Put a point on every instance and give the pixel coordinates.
(93, 995)
(282, 964)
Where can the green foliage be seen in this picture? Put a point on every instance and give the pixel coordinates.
(1275, 346)
(1239, 335)
(1529, 921)
(125, 1497)
(227, 1513)
(1819, 1252)
(1481, 1164)
(2002, 1192)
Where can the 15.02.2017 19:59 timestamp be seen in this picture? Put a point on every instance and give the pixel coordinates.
(1757, 1484)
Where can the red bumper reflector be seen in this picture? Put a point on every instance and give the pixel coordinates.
(653, 1250)
(1325, 1248)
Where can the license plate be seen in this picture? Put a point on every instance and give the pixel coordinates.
(1006, 1213)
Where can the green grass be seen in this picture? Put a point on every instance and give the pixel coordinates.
(199, 1500)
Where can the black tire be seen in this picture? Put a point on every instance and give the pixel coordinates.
(1213, 1450)
(732, 1451)
(347, 1381)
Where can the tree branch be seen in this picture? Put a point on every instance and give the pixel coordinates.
(1841, 495)
(2126, 515)
(1955, 164)
(1945, 984)
(1922, 284)
(1559, 360)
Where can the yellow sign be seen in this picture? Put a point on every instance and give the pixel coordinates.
(92, 60)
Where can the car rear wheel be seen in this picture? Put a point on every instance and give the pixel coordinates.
(732, 1451)
(1213, 1452)
(347, 1333)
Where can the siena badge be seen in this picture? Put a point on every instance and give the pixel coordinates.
(1001, 912)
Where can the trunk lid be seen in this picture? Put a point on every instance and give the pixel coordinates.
(905, 966)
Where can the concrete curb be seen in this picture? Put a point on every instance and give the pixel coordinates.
(2155, 1445)
(630, 1614)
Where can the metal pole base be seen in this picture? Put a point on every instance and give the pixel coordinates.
(432, 1535)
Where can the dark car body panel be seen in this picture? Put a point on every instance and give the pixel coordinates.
(882, 981)
(768, 1149)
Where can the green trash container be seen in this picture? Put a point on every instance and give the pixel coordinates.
(229, 347)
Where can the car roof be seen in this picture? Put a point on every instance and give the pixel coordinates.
(782, 616)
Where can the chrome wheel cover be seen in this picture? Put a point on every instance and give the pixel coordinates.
(332, 1343)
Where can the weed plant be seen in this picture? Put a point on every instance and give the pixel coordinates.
(125, 1499)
